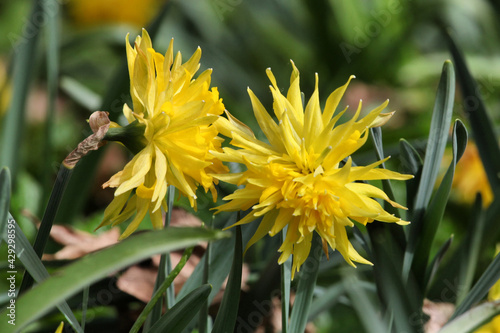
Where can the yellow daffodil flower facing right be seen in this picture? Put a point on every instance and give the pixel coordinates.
(304, 177)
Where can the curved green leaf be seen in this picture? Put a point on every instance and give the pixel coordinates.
(435, 211)
(228, 311)
(69, 280)
(438, 135)
(305, 289)
(472, 319)
(480, 289)
(481, 124)
(181, 314)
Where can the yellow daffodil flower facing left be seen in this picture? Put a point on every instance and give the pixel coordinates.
(304, 177)
(170, 131)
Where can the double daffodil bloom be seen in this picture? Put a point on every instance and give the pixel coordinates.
(170, 131)
(304, 177)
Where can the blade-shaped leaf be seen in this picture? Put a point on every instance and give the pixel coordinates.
(368, 313)
(286, 276)
(181, 314)
(438, 134)
(411, 163)
(481, 124)
(69, 280)
(305, 289)
(228, 311)
(35, 267)
(480, 289)
(434, 265)
(472, 319)
(435, 211)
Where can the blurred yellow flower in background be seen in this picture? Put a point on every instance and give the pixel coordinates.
(99, 12)
(175, 112)
(470, 177)
(304, 177)
(5, 89)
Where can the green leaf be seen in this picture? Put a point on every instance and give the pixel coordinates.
(13, 124)
(397, 232)
(181, 314)
(326, 300)
(469, 261)
(158, 293)
(286, 276)
(434, 265)
(482, 126)
(438, 134)
(435, 211)
(35, 267)
(52, 62)
(480, 289)
(368, 313)
(400, 298)
(305, 288)
(69, 280)
(472, 319)
(228, 311)
(4, 199)
(411, 163)
(164, 269)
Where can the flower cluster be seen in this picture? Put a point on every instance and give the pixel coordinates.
(174, 113)
(302, 178)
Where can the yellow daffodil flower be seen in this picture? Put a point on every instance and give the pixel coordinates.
(173, 113)
(304, 177)
(99, 12)
(470, 177)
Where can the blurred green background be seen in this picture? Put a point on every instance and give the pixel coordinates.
(394, 47)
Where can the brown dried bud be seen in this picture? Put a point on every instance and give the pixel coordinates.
(98, 119)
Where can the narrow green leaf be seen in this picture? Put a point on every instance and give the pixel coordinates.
(85, 303)
(482, 126)
(13, 124)
(397, 232)
(472, 319)
(80, 93)
(158, 293)
(180, 315)
(286, 276)
(164, 270)
(411, 163)
(72, 278)
(435, 211)
(228, 311)
(4, 199)
(434, 265)
(43, 233)
(368, 313)
(52, 61)
(480, 289)
(468, 263)
(326, 300)
(438, 134)
(35, 267)
(401, 299)
(305, 288)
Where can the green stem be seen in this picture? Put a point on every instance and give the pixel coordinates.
(43, 234)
